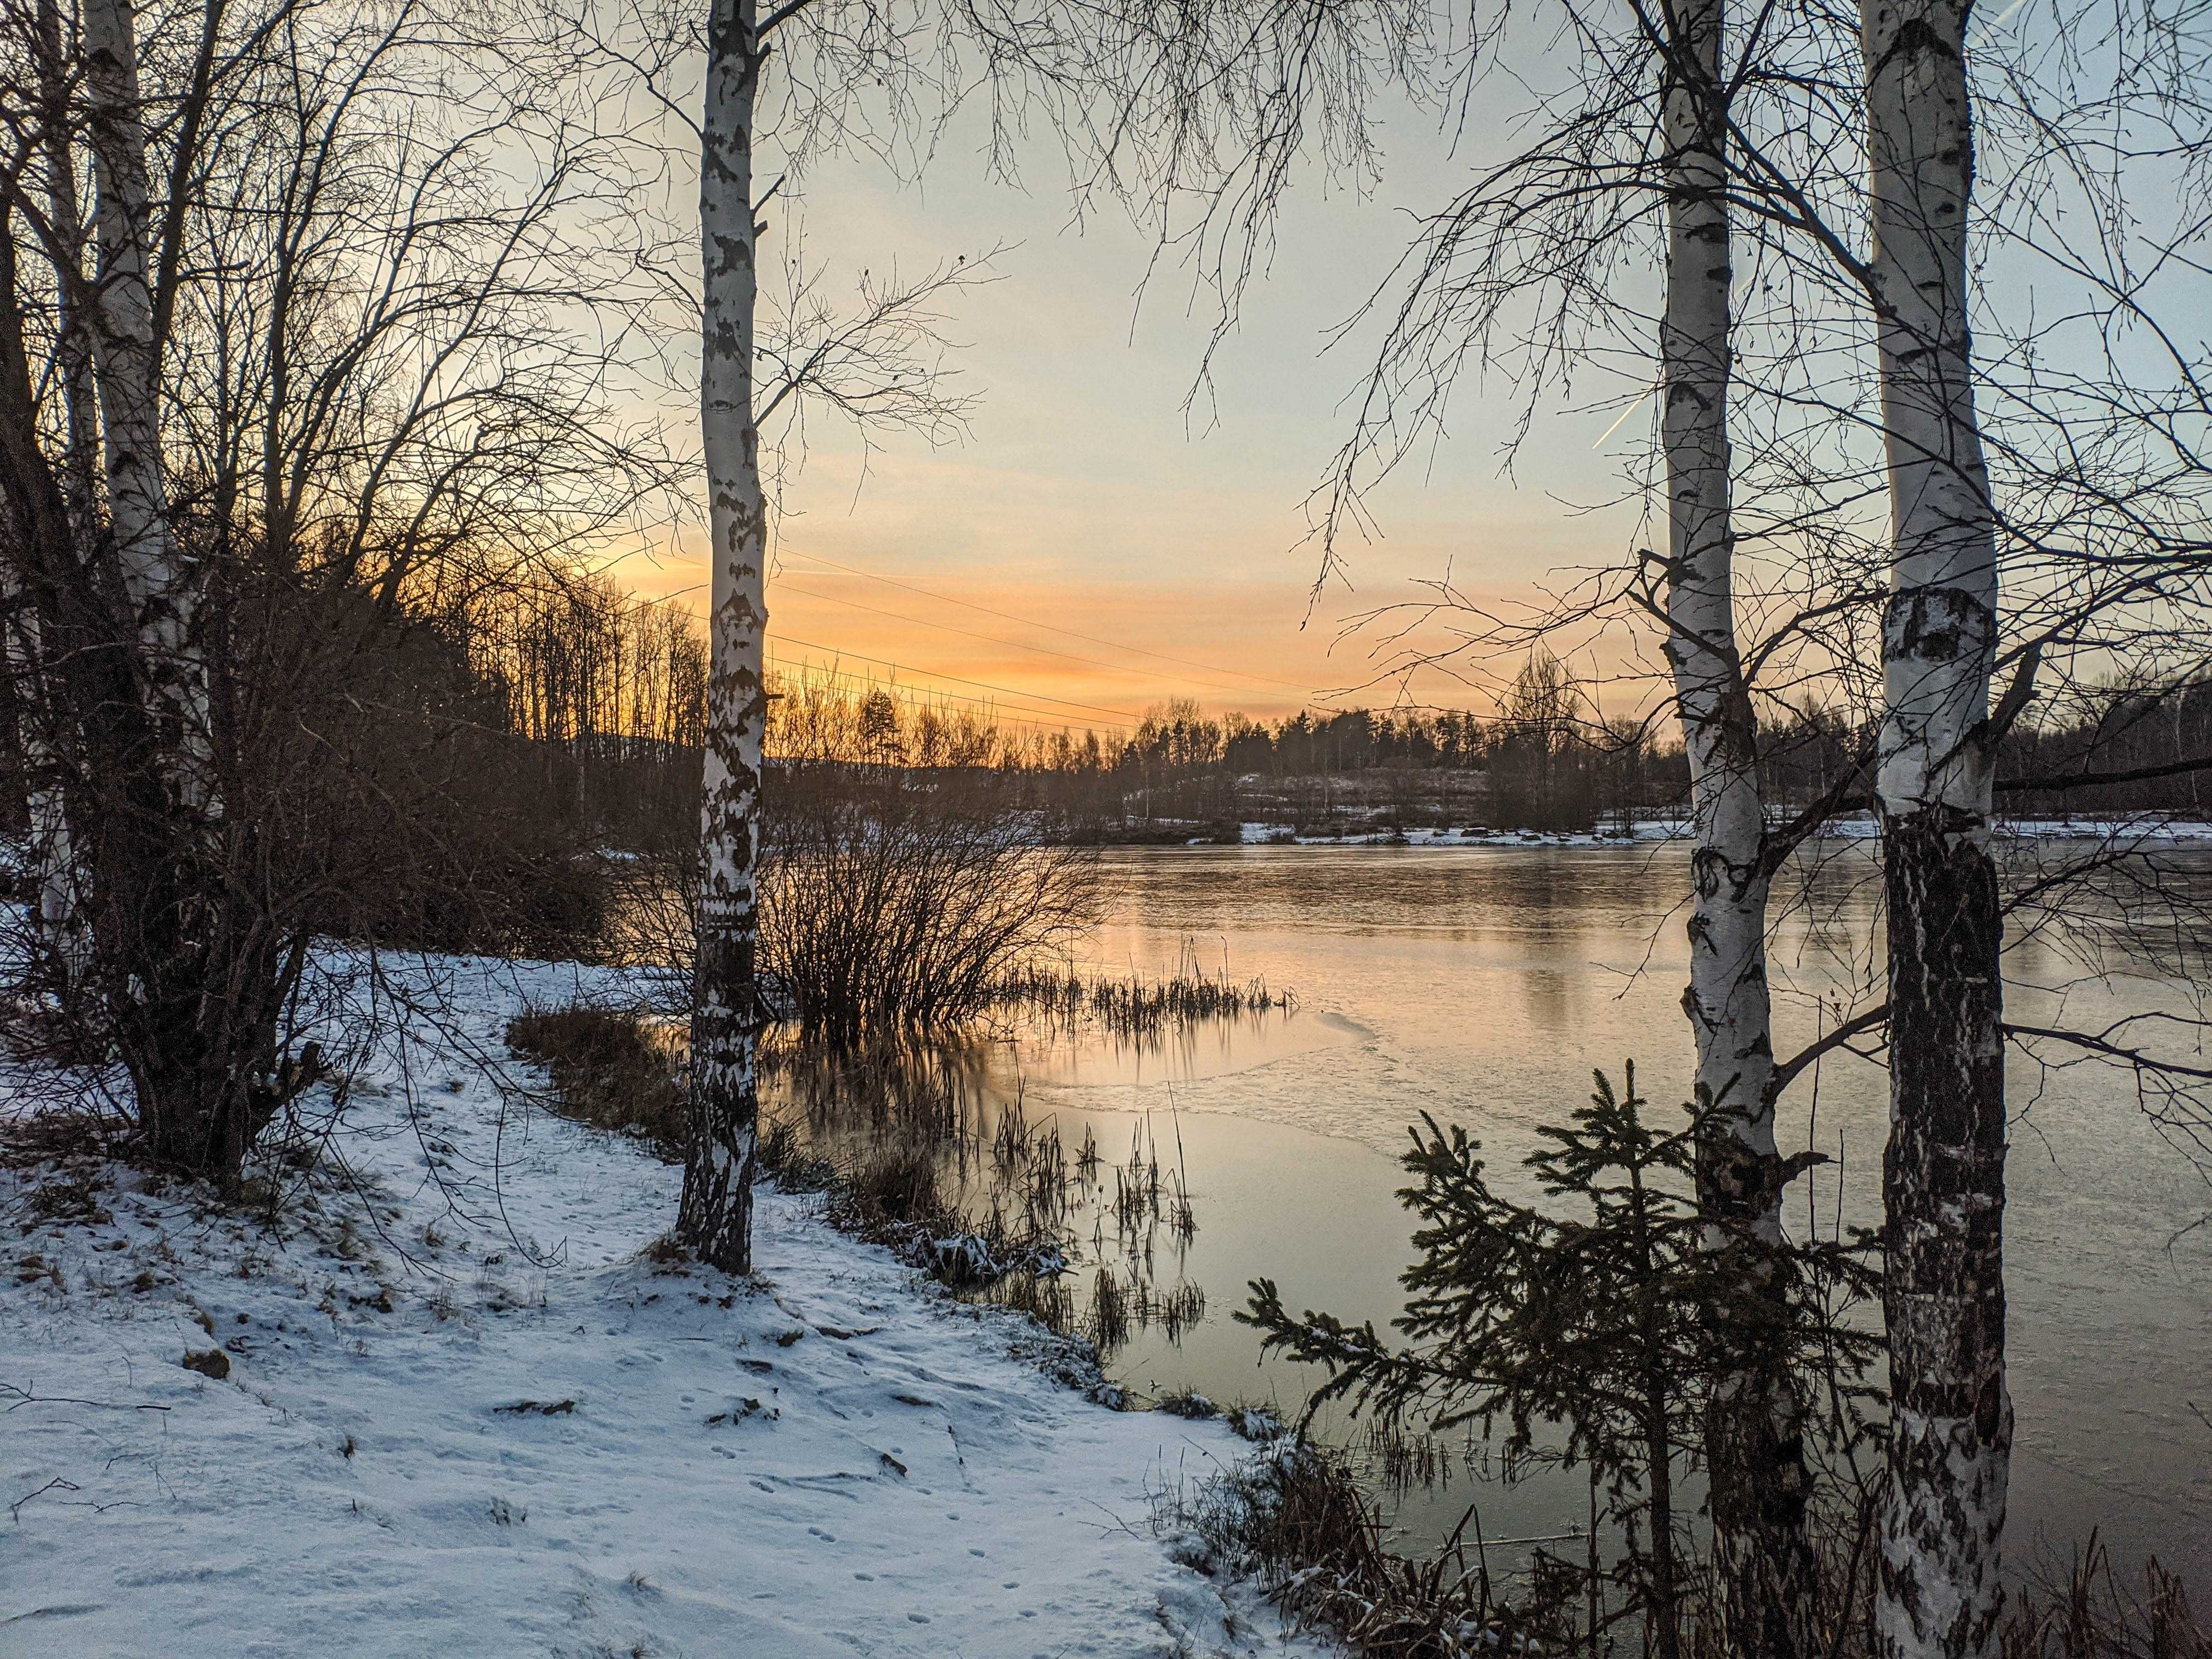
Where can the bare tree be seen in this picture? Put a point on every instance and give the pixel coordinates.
(323, 350)
(1754, 1431)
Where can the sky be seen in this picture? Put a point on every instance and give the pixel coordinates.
(1107, 533)
(1095, 510)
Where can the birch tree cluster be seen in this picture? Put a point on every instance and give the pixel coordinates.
(1915, 297)
(1889, 491)
(296, 363)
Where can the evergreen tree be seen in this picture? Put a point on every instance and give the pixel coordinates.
(1591, 1335)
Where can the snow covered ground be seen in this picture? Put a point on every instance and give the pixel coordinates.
(465, 1413)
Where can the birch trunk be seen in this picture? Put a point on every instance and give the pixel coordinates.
(1943, 1174)
(56, 915)
(126, 358)
(715, 1221)
(79, 474)
(59, 913)
(1762, 1557)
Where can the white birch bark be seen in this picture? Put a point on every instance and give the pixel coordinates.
(1727, 999)
(716, 1216)
(59, 912)
(126, 360)
(79, 476)
(1762, 1558)
(1951, 1429)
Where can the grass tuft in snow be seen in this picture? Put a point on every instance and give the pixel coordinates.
(1296, 1516)
(1188, 1402)
(611, 1069)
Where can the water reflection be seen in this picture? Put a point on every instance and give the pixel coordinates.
(1482, 986)
(1079, 1054)
(936, 1152)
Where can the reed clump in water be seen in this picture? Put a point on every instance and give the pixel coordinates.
(1119, 1307)
(1174, 1311)
(1107, 1323)
(1132, 1006)
(1146, 1192)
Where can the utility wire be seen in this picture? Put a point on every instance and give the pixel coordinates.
(1027, 622)
(991, 703)
(986, 685)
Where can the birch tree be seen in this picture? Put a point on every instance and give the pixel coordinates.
(1950, 1436)
(716, 1216)
(126, 358)
(59, 910)
(1535, 270)
(1763, 1560)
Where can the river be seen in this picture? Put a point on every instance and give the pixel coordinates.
(1481, 986)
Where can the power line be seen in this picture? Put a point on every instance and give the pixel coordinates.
(789, 586)
(1052, 721)
(986, 685)
(991, 703)
(1027, 622)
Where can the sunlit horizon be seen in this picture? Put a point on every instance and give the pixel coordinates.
(1103, 489)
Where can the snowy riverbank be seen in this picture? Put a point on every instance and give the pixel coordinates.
(465, 1413)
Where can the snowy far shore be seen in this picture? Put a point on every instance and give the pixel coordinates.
(455, 1406)
(2145, 832)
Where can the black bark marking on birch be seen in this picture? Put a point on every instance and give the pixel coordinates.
(1915, 39)
(1944, 1191)
(1936, 624)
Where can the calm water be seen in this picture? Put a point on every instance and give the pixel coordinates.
(1481, 986)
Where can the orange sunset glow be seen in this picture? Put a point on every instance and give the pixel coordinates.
(1110, 530)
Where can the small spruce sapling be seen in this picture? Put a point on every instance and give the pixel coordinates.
(1592, 1335)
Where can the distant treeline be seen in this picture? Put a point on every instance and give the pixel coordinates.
(1544, 761)
(572, 708)
(609, 693)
